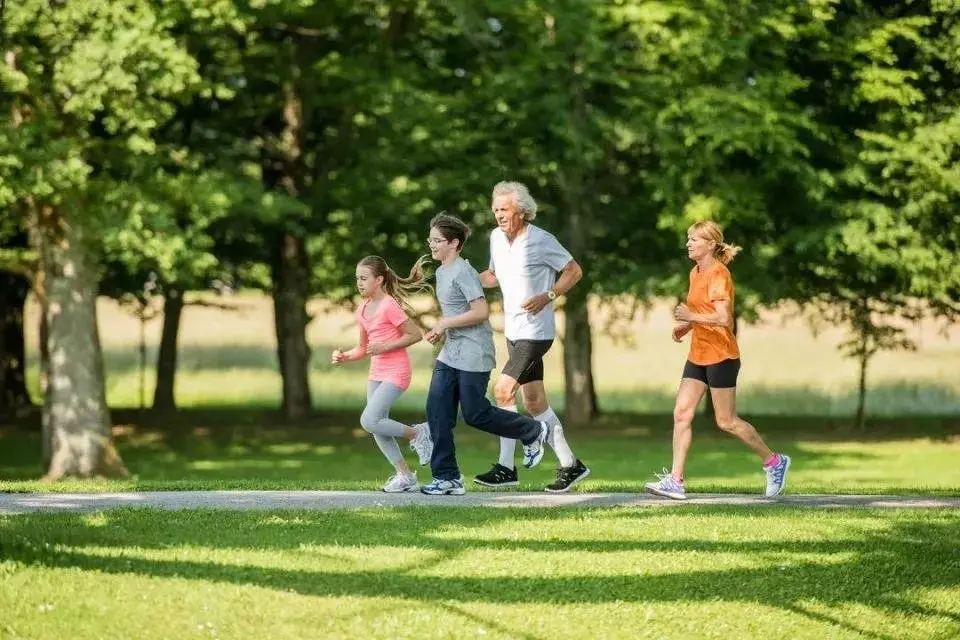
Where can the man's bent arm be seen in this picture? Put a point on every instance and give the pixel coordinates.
(569, 276)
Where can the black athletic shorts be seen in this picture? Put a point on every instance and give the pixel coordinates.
(721, 375)
(525, 359)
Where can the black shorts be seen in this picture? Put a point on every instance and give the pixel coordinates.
(525, 359)
(721, 375)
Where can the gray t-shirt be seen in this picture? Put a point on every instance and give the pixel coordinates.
(465, 348)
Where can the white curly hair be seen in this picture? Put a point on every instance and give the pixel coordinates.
(524, 201)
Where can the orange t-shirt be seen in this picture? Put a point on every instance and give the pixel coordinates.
(711, 343)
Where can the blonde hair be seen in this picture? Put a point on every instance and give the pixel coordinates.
(521, 197)
(710, 230)
(400, 289)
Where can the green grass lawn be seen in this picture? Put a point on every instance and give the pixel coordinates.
(242, 449)
(493, 573)
(689, 572)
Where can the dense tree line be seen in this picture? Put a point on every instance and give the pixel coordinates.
(270, 144)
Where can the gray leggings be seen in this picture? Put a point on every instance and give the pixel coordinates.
(376, 418)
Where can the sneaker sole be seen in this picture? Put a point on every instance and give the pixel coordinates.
(783, 486)
(510, 483)
(410, 489)
(448, 492)
(665, 494)
(571, 485)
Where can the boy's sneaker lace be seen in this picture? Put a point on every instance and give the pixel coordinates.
(445, 487)
(533, 452)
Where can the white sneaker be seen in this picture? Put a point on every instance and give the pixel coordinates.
(533, 452)
(402, 482)
(422, 444)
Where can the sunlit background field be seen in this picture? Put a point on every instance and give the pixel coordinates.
(228, 358)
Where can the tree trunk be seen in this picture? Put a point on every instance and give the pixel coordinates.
(291, 269)
(864, 360)
(580, 405)
(76, 419)
(581, 399)
(13, 381)
(581, 396)
(290, 288)
(163, 392)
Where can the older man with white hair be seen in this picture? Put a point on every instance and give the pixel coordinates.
(525, 261)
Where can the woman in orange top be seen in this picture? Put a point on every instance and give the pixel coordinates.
(714, 362)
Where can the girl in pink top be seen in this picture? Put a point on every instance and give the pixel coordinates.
(385, 333)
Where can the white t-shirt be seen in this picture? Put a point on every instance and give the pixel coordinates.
(526, 268)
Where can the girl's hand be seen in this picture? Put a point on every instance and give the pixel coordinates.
(337, 356)
(436, 334)
(682, 313)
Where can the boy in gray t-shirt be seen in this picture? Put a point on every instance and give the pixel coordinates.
(465, 348)
(462, 370)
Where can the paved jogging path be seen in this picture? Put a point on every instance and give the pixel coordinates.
(323, 500)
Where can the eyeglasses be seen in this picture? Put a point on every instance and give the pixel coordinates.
(436, 241)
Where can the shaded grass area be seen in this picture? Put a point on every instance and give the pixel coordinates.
(250, 449)
(453, 573)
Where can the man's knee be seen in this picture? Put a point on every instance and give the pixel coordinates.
(683, 415)
(534, 398)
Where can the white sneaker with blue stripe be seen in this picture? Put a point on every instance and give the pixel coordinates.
(444, 487)
(533, 452)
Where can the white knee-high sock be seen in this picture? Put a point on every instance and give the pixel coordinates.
(557, 440)
(508, 446)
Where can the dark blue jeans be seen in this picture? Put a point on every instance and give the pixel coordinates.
(450, 388)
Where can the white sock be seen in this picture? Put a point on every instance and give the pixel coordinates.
(557, 441)
(508, 446)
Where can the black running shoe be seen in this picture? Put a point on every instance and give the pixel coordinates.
(498, 476)
(567, 477)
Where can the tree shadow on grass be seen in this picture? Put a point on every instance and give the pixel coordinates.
(879, 567)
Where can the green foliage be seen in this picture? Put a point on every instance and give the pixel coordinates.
(823, 136)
